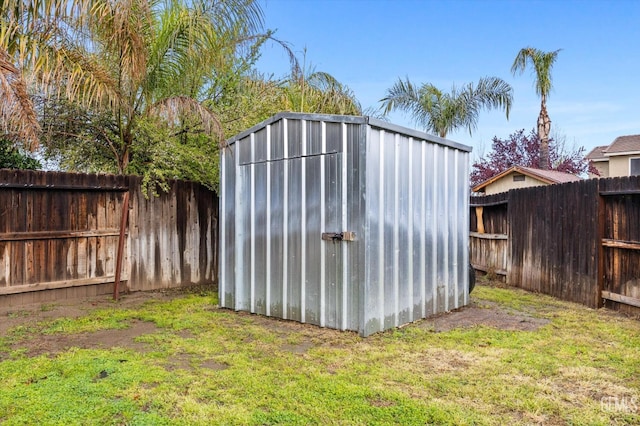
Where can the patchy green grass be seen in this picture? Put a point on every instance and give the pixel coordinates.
(203, 365)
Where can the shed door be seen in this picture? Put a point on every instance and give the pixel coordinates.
(322, 293)
(288, 270)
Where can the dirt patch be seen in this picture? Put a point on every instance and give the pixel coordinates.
(436, 360)
(299, 348)
(213, 365)
(103, 339)
(489, 315)
(380, 402)
(179, 361)
(31, 314)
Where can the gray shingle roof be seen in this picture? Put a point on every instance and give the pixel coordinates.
(630, 143)
(597, 153)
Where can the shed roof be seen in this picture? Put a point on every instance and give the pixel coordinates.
(547, 176)
(622, 145)
(374, 122)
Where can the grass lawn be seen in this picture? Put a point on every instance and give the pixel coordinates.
(180, 360)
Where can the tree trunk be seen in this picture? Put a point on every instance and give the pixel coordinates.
(124, 156)
(544, 128)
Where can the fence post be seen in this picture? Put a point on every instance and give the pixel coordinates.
(479, 219)
(600, 250)
(507, 230)
(123, 227)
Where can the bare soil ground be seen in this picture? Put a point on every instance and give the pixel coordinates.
(30, 315)
(487, 314)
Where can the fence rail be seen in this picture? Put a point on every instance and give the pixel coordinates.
(578, 241)
(60, 235)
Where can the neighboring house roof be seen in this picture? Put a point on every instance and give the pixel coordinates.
(547, 176)
(623, 145)
(597, 153)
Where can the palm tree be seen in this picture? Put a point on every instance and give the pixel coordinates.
(318, 92)
(128, 59)
(542, 62)
(440, 112)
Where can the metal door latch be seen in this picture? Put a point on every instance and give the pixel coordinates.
(339, 236)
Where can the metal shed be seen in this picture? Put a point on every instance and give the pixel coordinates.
(345, 222)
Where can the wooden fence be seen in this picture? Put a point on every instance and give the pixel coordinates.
(619, 249)
(578, 241)
(60, 235)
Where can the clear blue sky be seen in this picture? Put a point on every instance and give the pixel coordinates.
(368, 44)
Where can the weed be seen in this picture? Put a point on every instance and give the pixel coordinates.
(46, 307)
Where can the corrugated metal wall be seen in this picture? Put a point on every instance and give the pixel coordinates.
(294, 177)
(416, 228)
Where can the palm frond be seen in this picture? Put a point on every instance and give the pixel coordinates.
(541, 63)
(404, 96)
(494, 93)
(69, 71)
(440, 112)
(171, 49)
(28, 23)
(123, 29)
(226, 14)
(17, 116)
